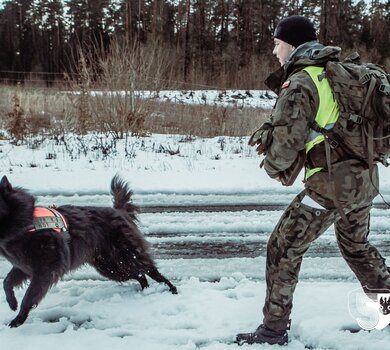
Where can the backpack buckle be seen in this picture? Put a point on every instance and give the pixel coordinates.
(355, 118)
(385, 89)
(365, 78)
(333, 143)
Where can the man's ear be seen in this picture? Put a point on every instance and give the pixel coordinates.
(5, 185)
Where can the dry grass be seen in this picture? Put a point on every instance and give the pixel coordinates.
(43, 110)
(203, 121)
(51, 109)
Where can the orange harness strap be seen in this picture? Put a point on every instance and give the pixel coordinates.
(48, 218)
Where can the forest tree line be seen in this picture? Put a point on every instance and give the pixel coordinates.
(214, 43)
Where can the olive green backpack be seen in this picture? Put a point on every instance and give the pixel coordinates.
(362, 92)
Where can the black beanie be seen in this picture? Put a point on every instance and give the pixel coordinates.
(295, 30)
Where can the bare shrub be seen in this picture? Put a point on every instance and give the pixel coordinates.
(17, 126)
(45, 110)
(117, 75)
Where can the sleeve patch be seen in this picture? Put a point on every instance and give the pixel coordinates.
(286, 84)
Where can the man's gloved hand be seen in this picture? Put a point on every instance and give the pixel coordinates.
(262, 138)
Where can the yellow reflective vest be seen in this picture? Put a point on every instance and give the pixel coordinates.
(327, 113)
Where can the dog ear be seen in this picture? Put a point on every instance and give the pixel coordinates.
(5, 184)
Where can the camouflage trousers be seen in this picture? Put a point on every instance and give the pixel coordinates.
(300, 225)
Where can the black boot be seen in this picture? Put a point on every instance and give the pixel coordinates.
(263, 335)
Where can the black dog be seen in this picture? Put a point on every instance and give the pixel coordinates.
(106, 238)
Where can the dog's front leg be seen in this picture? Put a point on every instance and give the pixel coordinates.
(14, 279)
(37, 289)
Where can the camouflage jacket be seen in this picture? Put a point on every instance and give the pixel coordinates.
(291, 117)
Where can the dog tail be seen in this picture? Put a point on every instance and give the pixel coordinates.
(122, 196)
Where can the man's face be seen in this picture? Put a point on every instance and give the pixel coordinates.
(282, 50)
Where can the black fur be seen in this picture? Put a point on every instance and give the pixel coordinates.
(106, 238)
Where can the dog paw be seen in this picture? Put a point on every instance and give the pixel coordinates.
(173, 290)
(15, 323)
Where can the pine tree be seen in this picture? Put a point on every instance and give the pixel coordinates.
(46, 18)
(17, 45)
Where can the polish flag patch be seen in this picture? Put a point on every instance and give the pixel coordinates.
(286, 84)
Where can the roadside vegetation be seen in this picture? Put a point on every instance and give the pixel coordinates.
(28, 112)
(72, 106)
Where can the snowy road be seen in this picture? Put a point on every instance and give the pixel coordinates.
(221, 226)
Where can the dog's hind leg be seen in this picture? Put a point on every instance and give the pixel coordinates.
(142, 281)
(125, 266)
(40, 284)
(14, 279)
(158, 277)
(118, 272)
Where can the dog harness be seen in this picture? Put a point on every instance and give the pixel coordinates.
(48, 219)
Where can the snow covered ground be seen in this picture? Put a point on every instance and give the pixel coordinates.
(227, 98)
(217, 298)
